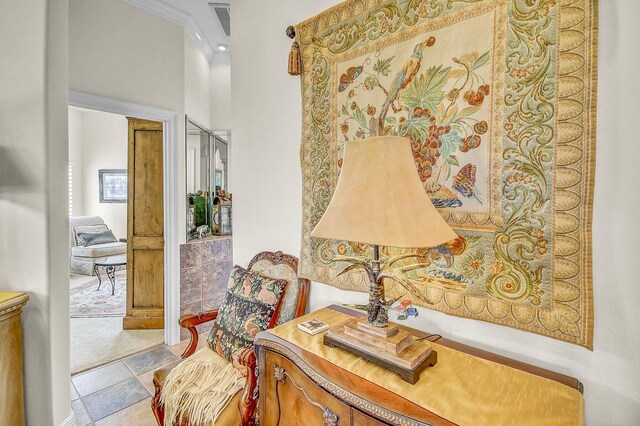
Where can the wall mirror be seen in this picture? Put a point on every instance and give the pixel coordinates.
(220, 141)
(222, 203)
(207, 161)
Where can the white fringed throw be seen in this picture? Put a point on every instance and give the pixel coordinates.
(198, 391)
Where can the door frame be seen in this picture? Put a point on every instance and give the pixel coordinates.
(172, 199)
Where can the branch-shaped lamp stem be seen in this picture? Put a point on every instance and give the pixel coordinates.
(377, 310)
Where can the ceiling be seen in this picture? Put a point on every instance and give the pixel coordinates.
(198, 19)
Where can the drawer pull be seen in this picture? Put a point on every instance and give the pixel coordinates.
(281, 376)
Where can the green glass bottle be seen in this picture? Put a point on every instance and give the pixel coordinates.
(199, 210)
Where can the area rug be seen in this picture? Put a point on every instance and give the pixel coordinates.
(498, 100)
(86, 301)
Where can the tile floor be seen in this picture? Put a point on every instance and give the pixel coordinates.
(119, 393)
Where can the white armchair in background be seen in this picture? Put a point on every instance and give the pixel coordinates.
(83, 258)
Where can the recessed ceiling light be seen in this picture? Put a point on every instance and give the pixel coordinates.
(222, 47)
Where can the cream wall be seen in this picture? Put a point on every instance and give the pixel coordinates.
(266, 111)
(220, 97)
(121, 52)
(33, 199)
(99, 139)
(197, 83)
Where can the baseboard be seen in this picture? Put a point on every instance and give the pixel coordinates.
(69, 421)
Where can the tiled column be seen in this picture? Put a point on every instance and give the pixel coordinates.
(205, 266)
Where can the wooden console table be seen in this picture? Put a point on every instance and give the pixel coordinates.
(303, 380)
(11, 380)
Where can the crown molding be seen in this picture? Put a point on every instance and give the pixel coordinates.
(195, 33)
(161, 9)
(166, 11)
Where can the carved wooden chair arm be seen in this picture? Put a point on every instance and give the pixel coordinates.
(190, 322)
(247, 358)
(248, 402)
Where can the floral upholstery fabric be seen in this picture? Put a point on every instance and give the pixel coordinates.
(251, 305)
(292, 293)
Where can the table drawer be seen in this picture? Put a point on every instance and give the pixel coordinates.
(292, 398)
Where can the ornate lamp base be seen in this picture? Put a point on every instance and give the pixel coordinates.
(391, 347)
(378, 315)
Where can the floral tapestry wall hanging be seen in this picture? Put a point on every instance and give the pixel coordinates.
(498, 100)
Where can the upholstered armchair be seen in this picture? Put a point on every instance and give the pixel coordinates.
(83, 258)
(242, 407)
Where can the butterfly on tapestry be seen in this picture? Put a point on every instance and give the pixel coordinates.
(497, 98)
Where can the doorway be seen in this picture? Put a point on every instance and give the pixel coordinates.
(98, 235)
(169, 260)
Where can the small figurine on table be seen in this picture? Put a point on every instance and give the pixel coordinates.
(405, 310)
(222, 194)
(202, 231)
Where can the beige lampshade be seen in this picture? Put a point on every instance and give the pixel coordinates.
(380, 199)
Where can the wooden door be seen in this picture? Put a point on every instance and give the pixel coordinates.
(145, 227)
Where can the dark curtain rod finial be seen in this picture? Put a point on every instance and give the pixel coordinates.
(291, 32)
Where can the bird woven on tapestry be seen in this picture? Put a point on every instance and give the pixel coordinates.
(498, 100)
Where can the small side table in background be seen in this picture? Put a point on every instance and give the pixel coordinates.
(11, 379)
(110, 265)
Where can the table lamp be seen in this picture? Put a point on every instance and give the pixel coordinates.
(381, 201)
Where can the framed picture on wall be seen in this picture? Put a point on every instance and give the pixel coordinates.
(113, 185)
